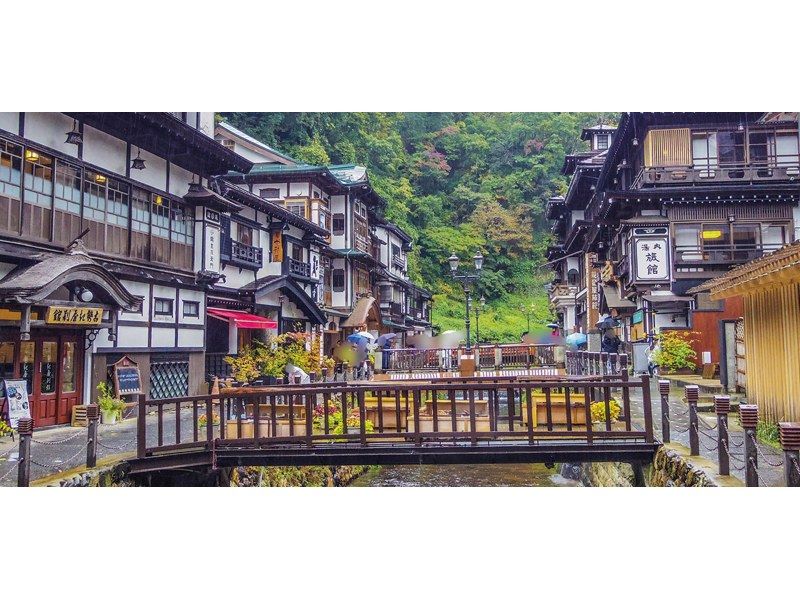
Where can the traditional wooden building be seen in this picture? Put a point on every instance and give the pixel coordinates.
(680, 199)
(352, 260)
(106, 249)
(770, 290)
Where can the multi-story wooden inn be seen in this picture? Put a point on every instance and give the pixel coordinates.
(351, 262)
(119, 236)
(679, 199)
(105, 250)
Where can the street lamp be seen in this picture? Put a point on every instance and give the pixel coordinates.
(527, 310)
(478, 311)
(467, 279)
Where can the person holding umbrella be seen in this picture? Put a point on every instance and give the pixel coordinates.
(384, 343)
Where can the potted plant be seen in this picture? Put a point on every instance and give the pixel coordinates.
(110, 406)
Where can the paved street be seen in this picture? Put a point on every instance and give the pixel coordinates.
(60, 449)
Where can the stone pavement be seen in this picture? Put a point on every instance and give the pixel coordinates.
(59, 449)
(679, 432)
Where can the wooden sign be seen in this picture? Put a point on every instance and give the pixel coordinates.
(74, 316)
(17, 397)
(277, 246)
(127, 377)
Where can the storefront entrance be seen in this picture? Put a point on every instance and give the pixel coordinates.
(52, 365)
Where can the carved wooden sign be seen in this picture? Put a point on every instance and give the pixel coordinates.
(127, 377)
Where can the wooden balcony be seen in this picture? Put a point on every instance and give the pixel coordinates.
(298, 268)
(720, 256)
(716, 174)
(399, 261)
(238, 254)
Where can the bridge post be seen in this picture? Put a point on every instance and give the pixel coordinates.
(722, 406)
(25, 429)
(790, 442)
(648, 409)
(141, 428)
(748, 414)
(663, 389)
(692, 394)
(92, 414)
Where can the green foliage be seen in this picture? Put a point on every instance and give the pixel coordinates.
(598, 411)
(768, 433)
(675, 350)
(107, 400)
(272, 357)
(462, 182)
(336, 417)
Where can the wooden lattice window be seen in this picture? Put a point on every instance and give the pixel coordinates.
(668, 147)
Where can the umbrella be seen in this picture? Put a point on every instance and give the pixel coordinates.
(384, 339)
(365, 334)
(607, 322)
(359, 338)
(576, 339)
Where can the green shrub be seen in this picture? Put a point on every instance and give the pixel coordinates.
(675, 350)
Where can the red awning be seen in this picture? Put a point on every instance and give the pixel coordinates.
(242, 319)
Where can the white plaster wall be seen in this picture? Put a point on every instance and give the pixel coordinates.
(155, 172)
(280, 186)
(131, 336)
(179, 180)
(50, 129)
(337, 207)
(102, 339)
(104, 150)
(665, 321)
(163, 337)
(207, 123)
(141, 289)
(9, 121)
(191, 338)
(298, 189)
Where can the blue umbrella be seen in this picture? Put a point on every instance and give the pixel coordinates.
(576, 339)
(384, 339)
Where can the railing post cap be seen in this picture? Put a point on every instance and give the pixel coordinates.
(789, 433)
(25, 426)
(93, 411)
(691, 392)
(748, 415)
(663, 386)
(722, 404)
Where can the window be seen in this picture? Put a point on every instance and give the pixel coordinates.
(338, 280)
(160, 217)
(229, 143)
(704, 151)
(191, 309)
(703, 302)
(747, 235)
(68, 188)
(297, 252)
(162, 307)
(117, 205)
(269, 193)
(324, 218)
(38, 179)
(338, 224)
(601, 142)
(760, 147)
(786, 148)
(140, 211)
(245, 234)
(298, 208)
(731, 147)
(182, 224)
(361, 280)
(10, 168)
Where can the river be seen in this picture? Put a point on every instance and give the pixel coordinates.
(463, 475)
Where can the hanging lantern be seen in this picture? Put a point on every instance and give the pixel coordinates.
(138, 161)
(74, 136)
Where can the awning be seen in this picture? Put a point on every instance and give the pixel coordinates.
(613, 299)
(242, 319)
(666, 299)
(359, 315)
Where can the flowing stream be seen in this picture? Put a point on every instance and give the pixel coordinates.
(463, 475)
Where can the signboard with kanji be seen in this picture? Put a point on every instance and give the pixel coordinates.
(74, 316)
(651, 258)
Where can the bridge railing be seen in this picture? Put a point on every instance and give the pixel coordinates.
(589, 363)
(381, 414)
(487, 356)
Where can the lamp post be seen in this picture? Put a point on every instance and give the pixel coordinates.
(466, 279)
(527, 310)
(478, 311)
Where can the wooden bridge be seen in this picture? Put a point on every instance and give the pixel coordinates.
(502, 419)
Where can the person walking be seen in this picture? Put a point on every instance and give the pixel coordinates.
(610, 342)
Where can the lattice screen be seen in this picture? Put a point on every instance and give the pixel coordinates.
(169, 378)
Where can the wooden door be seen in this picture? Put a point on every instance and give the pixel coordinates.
(69, 377)
(45, 382)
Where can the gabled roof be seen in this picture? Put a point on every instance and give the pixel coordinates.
(259, 145)
(587, 132)
(297, 295)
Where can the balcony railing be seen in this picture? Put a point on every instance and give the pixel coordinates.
(399, 261)
(363, 244)
(298, 268)
(721, 255)
(240, 254)
(787, 170)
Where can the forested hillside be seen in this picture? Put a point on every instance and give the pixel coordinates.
(459, 182)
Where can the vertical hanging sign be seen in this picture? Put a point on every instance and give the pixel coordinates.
(651, 255)
(592, 290)
(211, 242)
(277, 246)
